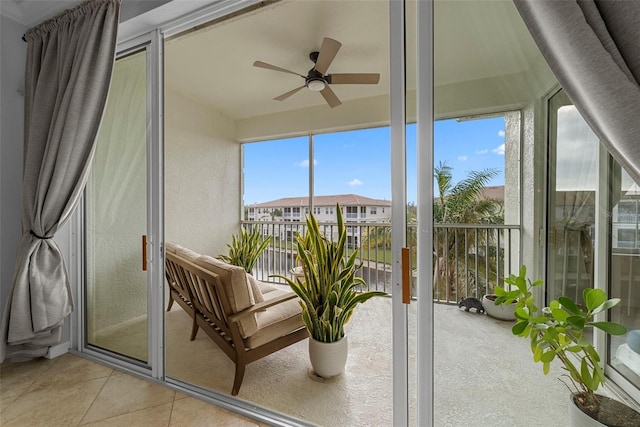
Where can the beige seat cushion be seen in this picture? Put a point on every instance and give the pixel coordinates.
(266, 289)
(276, 321)
(261, 290)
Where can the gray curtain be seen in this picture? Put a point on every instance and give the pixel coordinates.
(69, 65)
(593, 47)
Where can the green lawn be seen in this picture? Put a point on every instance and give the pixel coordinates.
(366, 254)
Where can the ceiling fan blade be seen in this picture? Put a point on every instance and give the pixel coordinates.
(330, 97)
(354, 78)
(327, 52)
(261, 64)
(287, 94)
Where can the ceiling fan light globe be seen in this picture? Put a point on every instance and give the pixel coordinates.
(316, 85)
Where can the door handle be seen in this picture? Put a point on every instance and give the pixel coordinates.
(406, 276)
(144, 252)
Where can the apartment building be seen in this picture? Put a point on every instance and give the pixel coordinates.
(354, 208)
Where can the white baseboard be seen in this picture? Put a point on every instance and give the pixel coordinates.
(58, 350)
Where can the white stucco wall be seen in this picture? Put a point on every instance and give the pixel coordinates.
(533, 160)
(512, 188)
(202, 176)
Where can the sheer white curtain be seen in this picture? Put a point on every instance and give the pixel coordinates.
(593, 49)
(69, 65)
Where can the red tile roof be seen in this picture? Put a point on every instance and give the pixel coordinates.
(342, 199)
(495, 192)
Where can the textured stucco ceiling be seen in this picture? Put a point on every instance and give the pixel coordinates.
(474, 40)
(213, 65)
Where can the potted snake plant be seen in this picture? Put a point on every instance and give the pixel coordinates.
(328, 291)
(557, 333)
(245, 249)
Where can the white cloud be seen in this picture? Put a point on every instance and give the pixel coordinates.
(305, 163)
(499, 150)
(484, 151)
(501, 134)
(355, 182)
(462, 158)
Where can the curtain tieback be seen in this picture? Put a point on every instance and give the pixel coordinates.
(41, 237)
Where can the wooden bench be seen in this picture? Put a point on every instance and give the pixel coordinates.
(214, 295)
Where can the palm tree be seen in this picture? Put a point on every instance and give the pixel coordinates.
(380, 236)
(462, 203)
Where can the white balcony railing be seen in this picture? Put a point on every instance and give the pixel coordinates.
(469, 260)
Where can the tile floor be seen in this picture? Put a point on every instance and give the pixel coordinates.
(73, 391)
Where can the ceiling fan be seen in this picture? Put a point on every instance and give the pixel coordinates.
(317, 78)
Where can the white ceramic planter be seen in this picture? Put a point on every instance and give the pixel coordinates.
(612, 413)
(328, 359)
(501, 312)
(577, 418)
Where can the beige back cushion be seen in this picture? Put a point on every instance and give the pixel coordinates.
(236, 286)
(234, 281)
(170, 247)
(185, 253)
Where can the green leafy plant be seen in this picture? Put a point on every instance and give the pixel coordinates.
(557, 332)
(328, 294)
(245, 249)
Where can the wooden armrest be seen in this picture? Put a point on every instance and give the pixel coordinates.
(262, 306)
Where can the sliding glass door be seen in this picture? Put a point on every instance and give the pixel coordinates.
(123, 217)
(252, 158)
(573, 181)
(623, 353)
(116, 218)
(594, 238)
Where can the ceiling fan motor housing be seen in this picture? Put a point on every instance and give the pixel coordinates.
(315, 81)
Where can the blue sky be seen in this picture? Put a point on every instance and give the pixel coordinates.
(359, 161)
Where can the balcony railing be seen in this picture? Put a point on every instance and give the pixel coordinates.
(469, 260)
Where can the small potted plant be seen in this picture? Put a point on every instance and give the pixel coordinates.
(500, 311)
(328, 291)
(557, 333)
(245, 249)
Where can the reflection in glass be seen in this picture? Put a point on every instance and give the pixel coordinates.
(116, 217)
(624, 353)
(572, 206)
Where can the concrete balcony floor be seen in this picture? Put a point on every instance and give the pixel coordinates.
(483, 376)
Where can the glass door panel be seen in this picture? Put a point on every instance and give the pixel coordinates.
(116, 218)
(482, 54)
(573, 180)
(412, 164)
(624, 351)
(240, 154)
